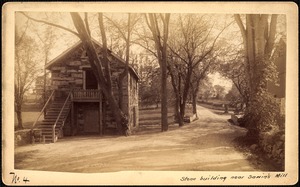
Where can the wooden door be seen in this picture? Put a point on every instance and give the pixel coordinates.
(91, 118)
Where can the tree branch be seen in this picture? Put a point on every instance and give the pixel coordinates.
(51, 24)
(118, 27)
(241, 26)
(86, 21)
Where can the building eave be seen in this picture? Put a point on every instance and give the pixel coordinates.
(56, 59)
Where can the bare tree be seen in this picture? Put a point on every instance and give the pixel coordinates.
(234, 69)
(160, 41)
(48, 41)
(191, 45)
(199, 74)
(26, 70)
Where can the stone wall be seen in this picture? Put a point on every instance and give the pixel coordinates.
(274, 147)
(68, 76)
(22, 137)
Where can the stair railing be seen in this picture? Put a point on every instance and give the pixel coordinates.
(53, 127)
(45, 106)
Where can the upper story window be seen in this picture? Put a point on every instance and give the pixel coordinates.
(90, 81)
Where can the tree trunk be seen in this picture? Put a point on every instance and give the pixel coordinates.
(19, 117)
(45, 82)
(161, 48)
(164, 95)
(120, 89)
(194, 89)
(176, 90)
(125, 72)
(258, 39)
(185, 92)
(96, 64)
(178, 117)
(194, 103)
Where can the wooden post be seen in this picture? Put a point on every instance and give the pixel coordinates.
(72, 118)
(226, 109)
(103, 114)
(100, 114)
(53, 135)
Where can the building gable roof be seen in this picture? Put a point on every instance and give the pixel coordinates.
(79, 44)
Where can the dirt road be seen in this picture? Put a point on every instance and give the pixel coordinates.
(204, 145)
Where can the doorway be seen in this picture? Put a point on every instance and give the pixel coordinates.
(90, 80)
(91, 118)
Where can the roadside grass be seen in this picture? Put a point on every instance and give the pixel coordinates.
(152, 114)
(150, 120)
(28, 118)
(30, 112)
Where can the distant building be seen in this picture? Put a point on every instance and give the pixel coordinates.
(280, 61)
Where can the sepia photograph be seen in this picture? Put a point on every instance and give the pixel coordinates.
(150, 93)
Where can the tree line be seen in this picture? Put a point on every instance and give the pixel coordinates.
(179, 51)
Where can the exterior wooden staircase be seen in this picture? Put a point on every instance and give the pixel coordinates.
(51, 126)
(50, 118)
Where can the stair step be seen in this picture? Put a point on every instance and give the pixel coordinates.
(49, 127)
(51, 115)
(49, 134)
(57, 109)
(50, 118)
(50, 124)
(54, 117)
(47, 118)
(47, 123)
(49, 130)
(52, 112)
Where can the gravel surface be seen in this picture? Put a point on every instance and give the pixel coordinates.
(204, 145)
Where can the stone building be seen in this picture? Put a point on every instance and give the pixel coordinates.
(77, 105)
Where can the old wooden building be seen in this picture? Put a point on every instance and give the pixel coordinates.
(77, 105)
